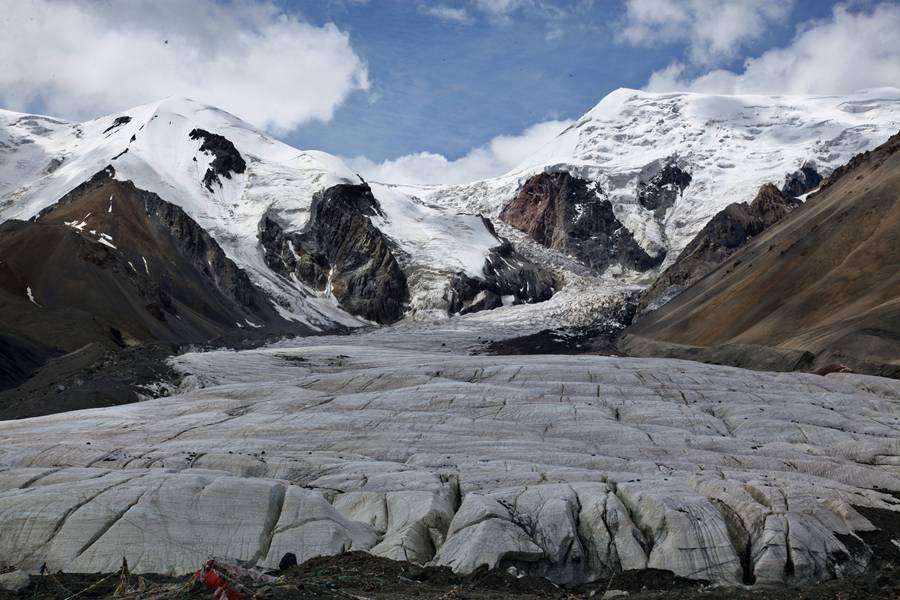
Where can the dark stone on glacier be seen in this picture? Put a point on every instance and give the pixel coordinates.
(227, 159)
(564, 213)
(341, 248)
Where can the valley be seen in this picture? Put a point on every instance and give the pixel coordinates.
(667, 342)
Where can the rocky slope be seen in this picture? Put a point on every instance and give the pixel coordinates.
(117, 266)
(669, 162)
(232, 179)
(570, 215)
(574, 468)
(725, 233)
(663, 164)
(342, 253)
(824, 280)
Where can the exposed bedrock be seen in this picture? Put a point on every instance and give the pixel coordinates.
(226, 158)
(113, 264)
(507, 278)
(729, 230)
(570, 215)
(573, 468)
(341, 252)
(191, 242)
(660, 191)
(822, 281)
(802, 181)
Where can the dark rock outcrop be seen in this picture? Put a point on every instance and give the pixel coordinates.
(227, 159)
(564, 213)
(801, 181)
(723, 235)
(342, 252)
(121, 266)
(660, 192)
(508, 278)
(118, 122)
(166, 237)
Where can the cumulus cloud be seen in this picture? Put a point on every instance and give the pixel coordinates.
(447, 13)
(494, 158)
(712, 29)
(848, 52)
(81, 59)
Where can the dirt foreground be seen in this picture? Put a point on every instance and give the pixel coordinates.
(360, 576)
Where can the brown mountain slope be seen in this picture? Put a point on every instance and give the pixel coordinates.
(825, 280)
(113, 265)
(728, 231)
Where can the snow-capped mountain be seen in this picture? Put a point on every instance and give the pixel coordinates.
(175, 220)
(643, 173)
(228, 176)
(668, 162)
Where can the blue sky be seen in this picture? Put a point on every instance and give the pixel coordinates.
(443, 86)
(430, 91)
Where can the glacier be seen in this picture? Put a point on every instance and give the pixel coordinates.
(569, 467)
(403, 441)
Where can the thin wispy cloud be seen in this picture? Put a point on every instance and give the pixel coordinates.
(447, 13)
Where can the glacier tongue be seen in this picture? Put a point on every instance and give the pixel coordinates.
(571, 467)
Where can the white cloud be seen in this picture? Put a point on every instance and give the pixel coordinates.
(83, 59)
(494, 158)
(499, 7)
(848, 52)
(501, 11)
(712, 29)
(447, 13)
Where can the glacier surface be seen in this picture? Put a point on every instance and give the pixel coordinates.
(570, 467)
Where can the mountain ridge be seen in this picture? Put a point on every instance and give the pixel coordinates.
(822, 280)
(228, 176)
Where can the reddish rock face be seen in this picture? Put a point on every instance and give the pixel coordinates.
(534, 210)
(565, 213)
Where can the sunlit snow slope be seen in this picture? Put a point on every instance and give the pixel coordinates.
(730, 145)
(41, 159)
